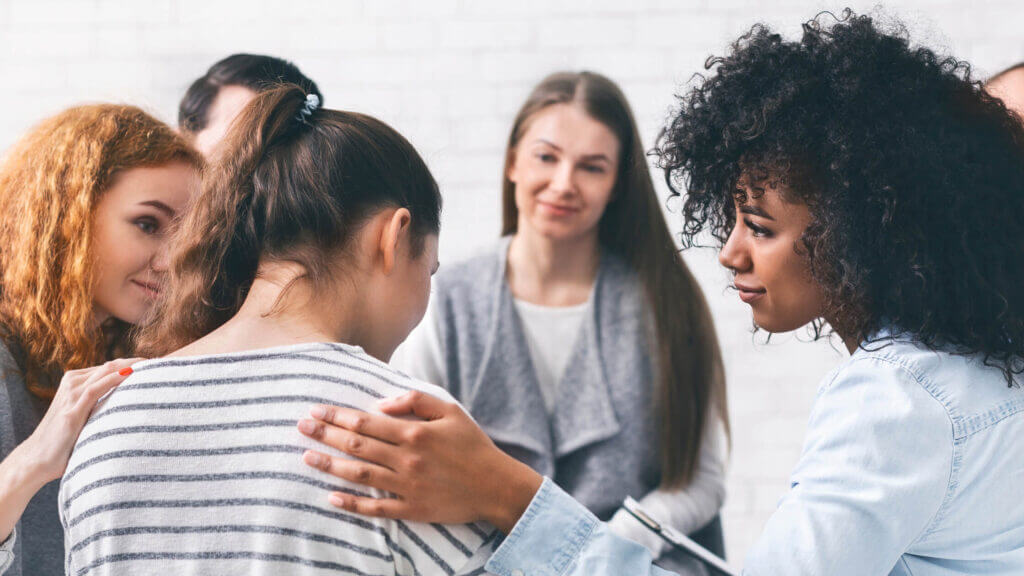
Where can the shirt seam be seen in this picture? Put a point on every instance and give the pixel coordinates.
(956, 454)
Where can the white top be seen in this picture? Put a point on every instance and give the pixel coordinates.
(685, 510)
(194, 466)
(551, 333)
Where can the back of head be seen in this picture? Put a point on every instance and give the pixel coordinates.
(50, 185)
(254, 71)
(295, 183)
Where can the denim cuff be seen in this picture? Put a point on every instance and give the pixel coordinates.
(548, 537)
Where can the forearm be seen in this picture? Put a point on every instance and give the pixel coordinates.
(19, 482)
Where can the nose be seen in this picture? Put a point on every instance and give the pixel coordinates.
(159, 261)
(562, 179)
(735, 254)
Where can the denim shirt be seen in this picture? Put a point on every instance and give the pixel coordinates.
(913, 464)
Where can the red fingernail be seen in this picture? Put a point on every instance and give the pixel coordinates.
(126, 371)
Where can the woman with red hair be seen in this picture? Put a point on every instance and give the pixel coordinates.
(86, 198)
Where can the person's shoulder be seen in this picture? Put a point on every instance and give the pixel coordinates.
(474, 274)
(431, 389)
(10, 368)
(962, 382)
(396, 380)
(888, 379)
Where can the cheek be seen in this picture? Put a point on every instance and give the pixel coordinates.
(597, 194)
(524, 197)
(122, 253)
(794, 292)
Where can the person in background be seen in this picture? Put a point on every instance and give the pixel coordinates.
(1008, 86)
(86, 199)
(851, 181)
(580, 342)
(214, 99)
(305, 260)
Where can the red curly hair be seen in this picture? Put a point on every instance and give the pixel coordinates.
(50, 184)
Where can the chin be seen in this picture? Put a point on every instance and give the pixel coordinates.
(133, 316)
(556, 231)
(774, 324)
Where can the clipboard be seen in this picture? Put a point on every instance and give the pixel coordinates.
(677, 539)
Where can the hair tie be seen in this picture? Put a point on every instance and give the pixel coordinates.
(311, 104)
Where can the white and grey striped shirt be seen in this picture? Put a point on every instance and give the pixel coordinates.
(194, 466)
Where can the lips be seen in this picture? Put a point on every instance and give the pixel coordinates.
(558, 209)
(748, 293)
(151, 289)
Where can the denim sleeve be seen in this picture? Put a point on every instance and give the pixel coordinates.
(558, 536)
(7, 551)
(875, 470)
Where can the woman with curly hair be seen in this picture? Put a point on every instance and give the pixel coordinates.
(853, 182)
(85, 199)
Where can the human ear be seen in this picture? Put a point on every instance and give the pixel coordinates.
(396, 226)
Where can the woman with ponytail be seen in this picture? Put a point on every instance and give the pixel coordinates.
(306, 259)
(86, 199)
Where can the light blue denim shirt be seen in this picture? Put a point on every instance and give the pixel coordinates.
(913, 465)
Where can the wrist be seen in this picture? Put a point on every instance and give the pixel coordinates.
(517, 486)
(23, 470)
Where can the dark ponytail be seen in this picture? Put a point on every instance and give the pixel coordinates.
(291, 183)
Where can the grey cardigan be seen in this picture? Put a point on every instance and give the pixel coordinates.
(39, 544)
(600, 444)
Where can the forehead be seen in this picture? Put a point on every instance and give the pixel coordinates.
(569, 127)
(772, 201)
(171, 184)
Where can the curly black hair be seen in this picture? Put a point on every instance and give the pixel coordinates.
(912, 173)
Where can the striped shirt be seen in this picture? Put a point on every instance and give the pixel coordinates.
(193, 465)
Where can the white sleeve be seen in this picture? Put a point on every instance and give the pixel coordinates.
(689, 509)
(7, 551)
(421, 356)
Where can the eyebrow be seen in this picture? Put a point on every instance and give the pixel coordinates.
(755, 211)
(590, 157)
(159, 206)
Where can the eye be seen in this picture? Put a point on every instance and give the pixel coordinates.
(594, 168)
(546, 157)
(759, 231)
(147, 225)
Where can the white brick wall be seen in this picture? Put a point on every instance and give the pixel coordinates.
(450, 74)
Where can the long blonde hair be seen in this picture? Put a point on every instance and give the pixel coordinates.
(50, 184)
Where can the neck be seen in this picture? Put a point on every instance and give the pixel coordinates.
(851, 343)
(552, 272)
(281, 309)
